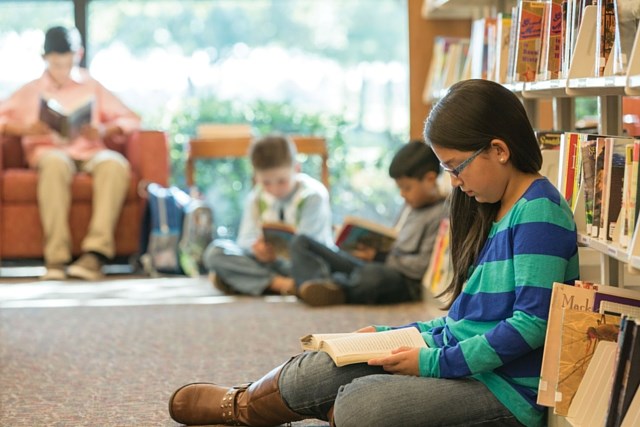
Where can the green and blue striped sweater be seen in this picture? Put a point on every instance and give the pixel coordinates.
(495, 329)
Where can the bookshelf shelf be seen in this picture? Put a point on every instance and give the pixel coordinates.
(459, 9)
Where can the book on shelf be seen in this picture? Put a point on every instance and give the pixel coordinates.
(550, 58)
(605, 34)
(527, 49)
(502, 42)
(626, 375)
(588, 157)
(356, 232)
(482, 47)
(583, 296)
(278, 235)
(598, 185)
(360, 347)
(440, 270)
(562, 296)
(549, 139)
(624, 231)
(513, 34)
(581, 331)
(571, 166)
(590, 402)
(612, 186)
(625, 31)
(66, 121)
(609, 299)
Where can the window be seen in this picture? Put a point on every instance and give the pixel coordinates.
(337, 68)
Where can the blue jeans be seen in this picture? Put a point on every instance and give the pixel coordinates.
(364, 395)
(363, 282)
(240, 269)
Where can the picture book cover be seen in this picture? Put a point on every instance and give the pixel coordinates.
(528, 40)
(278, 235)
(66, 122)
(581, 332)
(356, 232)
(562, 296)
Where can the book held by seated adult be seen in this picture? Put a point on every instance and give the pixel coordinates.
(67, 122)
(356, 232)
(360, 347)
(278, 235)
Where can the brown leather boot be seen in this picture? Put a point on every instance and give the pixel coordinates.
(254, 404)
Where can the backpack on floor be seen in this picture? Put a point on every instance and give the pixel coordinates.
(176, 230)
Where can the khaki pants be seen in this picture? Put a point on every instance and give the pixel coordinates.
(111, 174)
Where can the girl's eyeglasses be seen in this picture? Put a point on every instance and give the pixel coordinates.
(458, 169)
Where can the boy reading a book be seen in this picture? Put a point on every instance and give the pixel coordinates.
(512, 236)
(281, 194)
(57, 157)
(325, 276)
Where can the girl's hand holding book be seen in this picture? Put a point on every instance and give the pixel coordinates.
(403, 361)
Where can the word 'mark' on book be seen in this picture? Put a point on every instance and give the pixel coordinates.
(360, 347)
(67, 122)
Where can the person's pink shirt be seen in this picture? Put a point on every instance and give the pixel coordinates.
(23, 108)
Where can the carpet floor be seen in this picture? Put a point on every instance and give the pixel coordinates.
(111, 353)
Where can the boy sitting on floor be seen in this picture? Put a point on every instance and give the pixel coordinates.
(281, 194)
(325, 276)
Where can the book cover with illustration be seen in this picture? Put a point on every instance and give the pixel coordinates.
(278, 235)
(581, 332)
(562, 296)
(356, 232)
(528, 40)
(67, 122)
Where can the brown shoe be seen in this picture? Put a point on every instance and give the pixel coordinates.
(254, 404)
(87, 267)
(203, 403)
(319, 293)
(220, 285)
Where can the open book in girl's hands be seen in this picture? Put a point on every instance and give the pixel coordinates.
(360, 347)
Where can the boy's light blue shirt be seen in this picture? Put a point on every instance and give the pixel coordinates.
(307, 208)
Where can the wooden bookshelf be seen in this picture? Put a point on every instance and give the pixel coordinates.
(580, 79)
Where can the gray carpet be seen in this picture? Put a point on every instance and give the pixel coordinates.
(111, 353)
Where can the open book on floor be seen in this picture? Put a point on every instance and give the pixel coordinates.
(359, 347)
(67, 122)
(357, 231)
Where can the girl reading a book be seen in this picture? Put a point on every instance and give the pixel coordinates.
(512, 236)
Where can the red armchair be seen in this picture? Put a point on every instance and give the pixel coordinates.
(20, 228)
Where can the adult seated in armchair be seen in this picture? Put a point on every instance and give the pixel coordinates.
(57, 158)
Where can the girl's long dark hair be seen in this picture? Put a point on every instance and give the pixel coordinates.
(467, 118)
